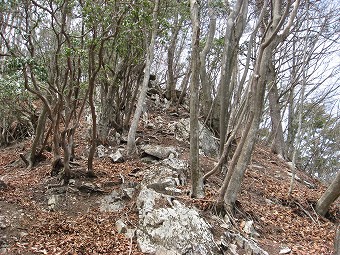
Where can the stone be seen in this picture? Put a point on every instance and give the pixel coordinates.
(52, 202)
(157, 151)
(121, 227)
(3, 222)
(3, 185)
(285, 250)
(90, 188)
(112, 202)
(117, 157)
(229, 239)
(207, 142)
(171, 230)
(101, 151)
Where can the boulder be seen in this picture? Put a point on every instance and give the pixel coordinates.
(207, 142)
(157, 151)
(171, 230)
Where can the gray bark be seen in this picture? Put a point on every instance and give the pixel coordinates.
(131, 143)
(196, 175)
(330, 195)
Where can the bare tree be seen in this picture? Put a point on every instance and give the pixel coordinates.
(270, 39)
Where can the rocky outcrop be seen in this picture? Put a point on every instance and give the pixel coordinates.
(207, 142)
(167, 226)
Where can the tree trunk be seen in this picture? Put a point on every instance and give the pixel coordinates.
(39, 134)
(230, 190)
(206, 85)
(278, 144)
(131, 143)
(330, 195)
(196, 174)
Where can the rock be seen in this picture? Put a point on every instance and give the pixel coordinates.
(249, 228)
(3, 222)
(113, 202)
(52, 202)
(229, 240)
(171, 230)
(207, 142)
(101, 151)
(157, 151)
(129, 192)
(71, 182)
(163, 176)
(285, 250)
(117, 157)
(3, 185)
(90, 188)
(121, 227)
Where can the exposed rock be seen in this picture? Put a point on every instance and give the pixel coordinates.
(249, 228)
(117, 157)
(229, 240)
(157, 151)
(116, 200)
(52, 202)
(164, 175)
(171, 230)
(101, 151)
(285, 250)
(121, 227)
(207, 143)
(90, 188)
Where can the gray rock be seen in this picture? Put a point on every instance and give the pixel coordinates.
(101, 151)
(117, 157)
(121, 227)
(229, 240)
(171, 230)
(285, 250)
(52, 202)
(207, 142)
(157, 151)
(113, 202)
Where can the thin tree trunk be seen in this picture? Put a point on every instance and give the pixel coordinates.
(196, 173)
(131, 143)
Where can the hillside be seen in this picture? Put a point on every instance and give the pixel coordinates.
(38, 216)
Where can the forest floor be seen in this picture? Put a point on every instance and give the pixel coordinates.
(77, 226)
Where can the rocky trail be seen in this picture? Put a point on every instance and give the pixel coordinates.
(142, 205)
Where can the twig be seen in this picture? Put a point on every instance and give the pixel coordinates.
(307, 213)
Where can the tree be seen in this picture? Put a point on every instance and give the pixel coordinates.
(131, 143)
(259, 81)
(196, 178)
(330, 195)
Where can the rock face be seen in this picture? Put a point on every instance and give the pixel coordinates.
(166, 226)
(208, 144)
